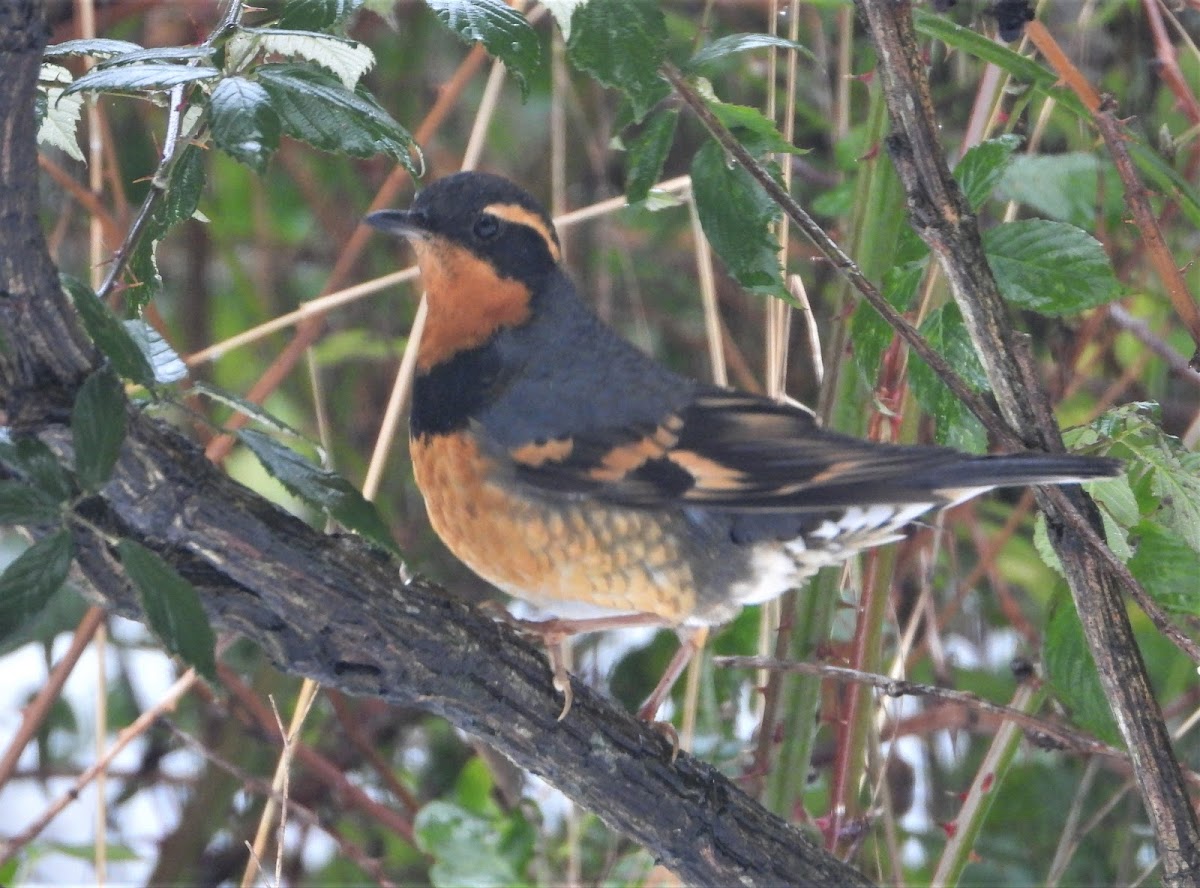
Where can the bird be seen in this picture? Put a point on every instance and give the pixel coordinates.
(573, 471)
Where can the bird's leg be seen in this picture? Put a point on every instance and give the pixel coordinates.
(555, 633)
(691, 642)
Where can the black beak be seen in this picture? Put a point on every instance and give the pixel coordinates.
(403, 223)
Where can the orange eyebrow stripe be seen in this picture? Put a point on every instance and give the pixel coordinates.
(521, 216)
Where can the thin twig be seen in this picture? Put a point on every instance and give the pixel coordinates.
(834, 253)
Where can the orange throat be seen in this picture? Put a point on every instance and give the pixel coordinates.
(468, 301)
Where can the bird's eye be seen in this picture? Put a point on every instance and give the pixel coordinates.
(486, 227)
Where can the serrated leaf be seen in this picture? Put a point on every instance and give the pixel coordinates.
(734, 43)
(502, 30)
(1049, 267)
(324, 489)
(59, 119)
(1071, 673)
(22, 503)
(248, 408)
(1167, 567)
(315, 15)
(97, 428)
(870, 334)
(955, 425)
(38, 465)
(737, 216)
(168, 366)
(185, 184)
(1165, 475)
(32, 578)
(647, 153)
(141, 78)
(1115, 535)
(158, 54)
(100, 47)
(984, 166)
(754, 129)
(562, 10)
(1176, 481)
(108, 334)
(621, 43)
(172, 607)
(143, 264)
(348, 59)
(244, 125)
(1115, 496)
(314, 107)
(1064, 187)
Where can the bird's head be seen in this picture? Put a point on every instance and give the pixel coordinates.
(484, 247)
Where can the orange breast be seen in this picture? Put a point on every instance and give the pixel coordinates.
(544, 551)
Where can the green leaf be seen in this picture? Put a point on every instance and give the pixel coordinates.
(502, 30)
(315, 107)
(143, 263)
(621, 43)
(95, 46)
(754, 129)
(315, 15)
(1064, 187)
(1049, 267)
(984, 166)
(1167, 567)
(469, 849)
(244, 125)
(22, 503)
(955, 425)
(172, 607)
(734, 43)
(39, 466)
(168, 366)
(28, 583)
(1022, 68)
(869, 332)
(737, 217)
(1167, 179)
(348, 59)
(1071, 673)
(326, 490)
(647, 154)
(58, 114)
(98, 428)
(141, 78)
(247, 408)
(185, 184)
(1165, 475)
(158, 54)
(1176, 482)
(108, 334)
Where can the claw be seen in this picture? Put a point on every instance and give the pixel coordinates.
(670, 734)
(557, 651)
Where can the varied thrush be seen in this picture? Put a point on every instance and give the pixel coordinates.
(573, 471)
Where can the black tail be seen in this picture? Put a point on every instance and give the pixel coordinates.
(1017, 469)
